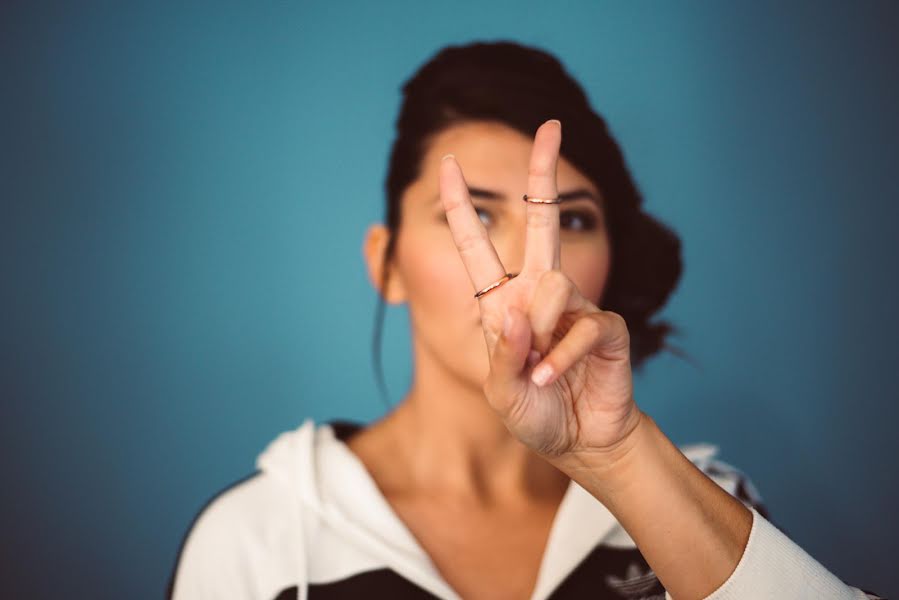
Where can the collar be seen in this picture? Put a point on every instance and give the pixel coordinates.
(581, 521)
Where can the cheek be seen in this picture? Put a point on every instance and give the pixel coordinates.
(443, 312)
(588, 267)
(439, 290)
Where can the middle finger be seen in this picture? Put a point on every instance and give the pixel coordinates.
(542, 246)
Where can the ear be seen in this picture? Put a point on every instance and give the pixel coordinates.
(373, 250)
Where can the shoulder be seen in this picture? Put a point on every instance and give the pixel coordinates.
(243, 541)
(239, 510)
(234, 531)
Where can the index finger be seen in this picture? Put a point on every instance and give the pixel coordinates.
(478, 254)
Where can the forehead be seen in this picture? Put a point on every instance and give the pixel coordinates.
(494, 154)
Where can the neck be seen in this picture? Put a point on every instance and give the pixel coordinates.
(454, 445)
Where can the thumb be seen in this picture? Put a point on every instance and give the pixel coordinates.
(507, 362)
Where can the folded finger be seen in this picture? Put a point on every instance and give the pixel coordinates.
(590, 331)
(554, 295)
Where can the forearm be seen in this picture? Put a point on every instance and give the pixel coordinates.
(690, 530)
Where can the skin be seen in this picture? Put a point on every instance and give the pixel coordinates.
(477, 429)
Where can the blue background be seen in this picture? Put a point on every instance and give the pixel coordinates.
(185, 193)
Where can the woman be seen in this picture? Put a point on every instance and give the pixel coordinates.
(518, 464)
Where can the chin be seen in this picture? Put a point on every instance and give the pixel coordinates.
(473, 363)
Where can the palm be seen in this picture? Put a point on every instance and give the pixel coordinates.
(588, 404)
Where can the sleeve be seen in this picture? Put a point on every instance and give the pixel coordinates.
(211, 563)
(772, 565)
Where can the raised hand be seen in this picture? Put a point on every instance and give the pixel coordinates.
(579, 398)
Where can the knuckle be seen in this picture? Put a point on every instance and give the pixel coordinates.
(450, 202)
(618, 319)
(594, 326)
(539, 169)
(555, 278)
(620, 325)
(470, 241)
(559, 285)
(538, 218)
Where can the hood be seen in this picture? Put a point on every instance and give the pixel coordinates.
(331, 485)
(289, 459)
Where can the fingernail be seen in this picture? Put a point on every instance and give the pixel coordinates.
(541, 374)
(446, 156)
(556, 121)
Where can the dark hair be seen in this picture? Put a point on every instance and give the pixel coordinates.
(522, 87)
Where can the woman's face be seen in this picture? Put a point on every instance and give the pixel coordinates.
(494, 158)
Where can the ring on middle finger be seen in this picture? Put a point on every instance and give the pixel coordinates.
(555, 200)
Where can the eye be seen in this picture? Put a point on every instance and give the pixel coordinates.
(478, 210)
(583, 220)
(484, 211)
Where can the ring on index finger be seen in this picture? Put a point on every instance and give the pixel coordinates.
(496, 284)
(556, 200)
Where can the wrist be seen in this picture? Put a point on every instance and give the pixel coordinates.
(604, 466)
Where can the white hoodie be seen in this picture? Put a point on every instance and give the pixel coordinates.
(312, 523)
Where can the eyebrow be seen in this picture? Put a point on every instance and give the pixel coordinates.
(575, 194)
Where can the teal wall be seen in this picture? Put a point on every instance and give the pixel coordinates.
(185, 192)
